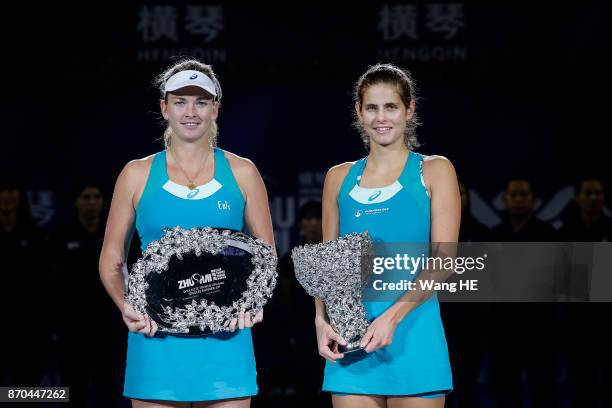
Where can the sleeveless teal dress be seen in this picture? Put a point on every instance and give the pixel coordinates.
(190, 369)
(417, 362)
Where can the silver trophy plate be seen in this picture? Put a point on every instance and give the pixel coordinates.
(193, 282)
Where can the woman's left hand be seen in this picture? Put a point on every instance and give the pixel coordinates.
(246, 320)
(379, 334)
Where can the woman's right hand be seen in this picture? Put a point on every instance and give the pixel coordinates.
(328, 340)
(138, 323)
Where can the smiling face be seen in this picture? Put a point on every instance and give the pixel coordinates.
(383, 115)
(190, 111)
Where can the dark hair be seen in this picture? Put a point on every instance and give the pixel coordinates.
(310, 209)
(519, 177)
(24, 215)
(580, 180)
(80, 185)
(406, 88)
(185, 65)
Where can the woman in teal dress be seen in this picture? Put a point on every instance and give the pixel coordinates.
(397, 195)
(191, 183)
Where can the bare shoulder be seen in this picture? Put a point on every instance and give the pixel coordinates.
(133, 177)
(137, 169)
(139, 165)
(338, 172)
(434, 158)
(334, 178)
(246, 173)
(241, 166)
(437, 169)
(437, 164)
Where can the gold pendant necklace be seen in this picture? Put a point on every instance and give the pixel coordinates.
(191, 182)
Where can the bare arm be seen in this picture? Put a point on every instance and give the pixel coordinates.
(256, 214)
(119, 229)
(441, 181)
(445, 200)
(331, 227)
(331, 218)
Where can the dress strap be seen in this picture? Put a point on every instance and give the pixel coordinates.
(352, 178)
(157, 177)
(224, 173)
(159, 170)
(411, 169)
(412, 181)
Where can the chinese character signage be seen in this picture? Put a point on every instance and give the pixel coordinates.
(422, 33)
(167, 31)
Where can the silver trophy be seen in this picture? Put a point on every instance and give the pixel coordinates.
(193, 282)
(335, 272)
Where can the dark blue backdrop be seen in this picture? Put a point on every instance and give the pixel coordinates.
(526, 93)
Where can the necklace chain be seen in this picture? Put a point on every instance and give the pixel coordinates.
(191, 185)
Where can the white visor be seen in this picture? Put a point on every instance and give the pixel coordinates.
(190, 78)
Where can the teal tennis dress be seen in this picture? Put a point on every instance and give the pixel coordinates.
(190, 369)
(416, 363)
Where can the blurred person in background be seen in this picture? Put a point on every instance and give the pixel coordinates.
(588, 223)
(25, 293)
(289, 317)
(523, 335)
(519, 223)
(586, 339)
(464, 323)
(95, 380)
